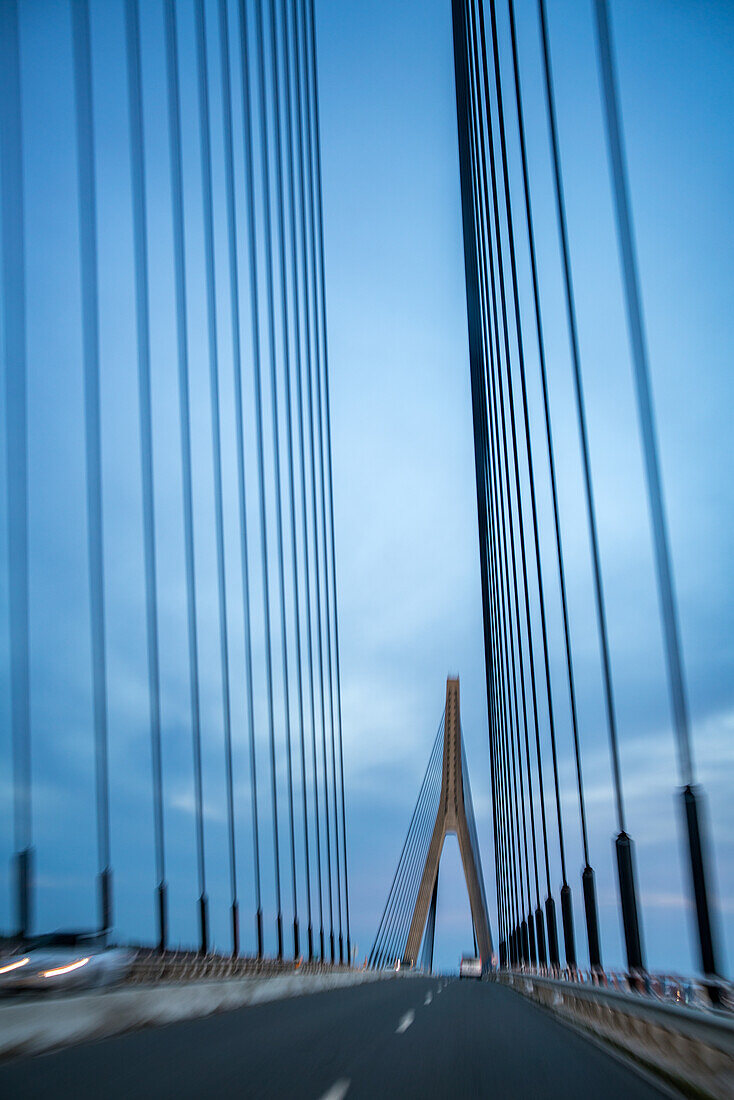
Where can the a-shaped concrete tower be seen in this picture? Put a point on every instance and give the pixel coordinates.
(455, 814)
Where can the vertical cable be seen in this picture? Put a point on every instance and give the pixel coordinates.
(628, 894)
(508, 737)
(566, 906)
(330, 483)
(505, 730)
(589, 888)
(549, 904)
(234, 300)
(140, 240)
(291, 473)
(301, 379)
(644, 398)
(265, 159)
(431, 761)
(497, 710)
(406, 894)
(255, 322)
(527, 933)
(480, 463)
(179, 257)
(658, 522)
(320, 342)
(396, 899)
(16, 434)
(476, 308)
(92, 433)
(501, 433)
(428, 795)
(312, 437)
(276, 437)
(211, 310)
(286, 372)
(505, 701)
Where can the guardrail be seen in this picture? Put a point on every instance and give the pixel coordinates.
(187, 966)
(688, 1043)
(666, 987)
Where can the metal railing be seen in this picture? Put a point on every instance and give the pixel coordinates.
(686, 1040)
(672, 989)
(187, 966)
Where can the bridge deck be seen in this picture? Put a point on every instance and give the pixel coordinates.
(403, 1038)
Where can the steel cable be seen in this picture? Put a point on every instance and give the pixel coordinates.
(412, 843)
(567, 912)
(407, 837)
(589, 891)
(664, 571)
(297, 349)
(312, 439)
(330, 485)
(140, 237)
(414, 872)
(476, 126)
(482, 436)
(16, 442)
(304, 378)
(92, 432)
(550, 904)
(264, 156)
(496, 435)
(280, 194)
(628, 893)
(211, 314)
(179, 258)
(255, 322)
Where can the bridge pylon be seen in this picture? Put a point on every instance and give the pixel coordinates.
(455, 814)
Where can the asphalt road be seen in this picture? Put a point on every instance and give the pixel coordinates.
(412, 1037)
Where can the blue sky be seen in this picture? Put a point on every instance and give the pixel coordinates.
(409, 578)
(403, 452)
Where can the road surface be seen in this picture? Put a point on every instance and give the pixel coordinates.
(411, 1037)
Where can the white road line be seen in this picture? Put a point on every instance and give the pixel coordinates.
(429, 998)
(338, 1090)
(405, 1023)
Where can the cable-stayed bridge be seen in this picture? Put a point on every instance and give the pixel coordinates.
(172, 662)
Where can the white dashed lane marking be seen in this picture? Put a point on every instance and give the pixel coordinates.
(405, 1023)
(429, 998)
(338, 1090)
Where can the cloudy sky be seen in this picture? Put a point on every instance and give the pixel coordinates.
(409, 579)
(403, 457)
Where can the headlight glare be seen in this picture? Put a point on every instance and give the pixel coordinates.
(14, 965)
(58, 970)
